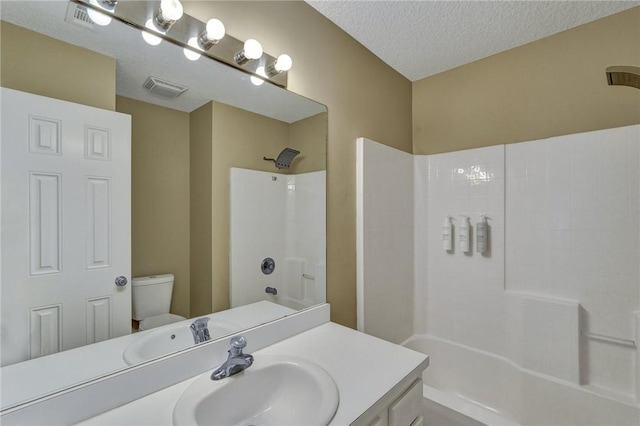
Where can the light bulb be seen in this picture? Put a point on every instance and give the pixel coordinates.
(257, 81)
(190, 54)
(171, 9)
(151, 39)
(168, 13)
(252, 49)
(215, 30)
(283, 63)
(213, 33)
(97, 16)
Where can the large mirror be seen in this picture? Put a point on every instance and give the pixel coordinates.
(214, 228)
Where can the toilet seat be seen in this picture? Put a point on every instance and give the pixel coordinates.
(159, 321)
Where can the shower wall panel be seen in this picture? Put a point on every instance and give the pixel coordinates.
(291, 231)
(573, 233)
(385, 241)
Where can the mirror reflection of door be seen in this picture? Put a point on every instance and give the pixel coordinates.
(66, 225)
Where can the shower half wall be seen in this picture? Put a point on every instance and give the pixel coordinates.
(558, 293)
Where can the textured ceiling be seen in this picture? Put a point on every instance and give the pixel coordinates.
(422, 38)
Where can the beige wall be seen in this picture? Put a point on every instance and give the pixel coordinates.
(550, 87)
(364, 97)
(309, 136)
(38, 64)
(201, 121)
(160, 195)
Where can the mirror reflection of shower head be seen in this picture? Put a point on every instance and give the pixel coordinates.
(284, 159)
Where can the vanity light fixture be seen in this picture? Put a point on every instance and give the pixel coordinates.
(252, 50)
(213, 33)
(156, 19)
(168, 13)
(98, 17)
(282, 64)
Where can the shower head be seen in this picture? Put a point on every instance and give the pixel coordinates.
(284, 159)
(623, 76)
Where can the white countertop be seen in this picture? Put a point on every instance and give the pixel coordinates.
(364, 368)
(41, 376)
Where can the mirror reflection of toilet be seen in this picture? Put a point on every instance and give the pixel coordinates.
(151, 301)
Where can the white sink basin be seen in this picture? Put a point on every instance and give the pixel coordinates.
(275, 390)
(171, 338)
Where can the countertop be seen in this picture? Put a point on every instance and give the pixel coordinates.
(364, 368)
(40, 376)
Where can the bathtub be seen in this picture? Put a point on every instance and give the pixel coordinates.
(493, 390)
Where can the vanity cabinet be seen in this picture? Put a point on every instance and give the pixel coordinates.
(401, 406)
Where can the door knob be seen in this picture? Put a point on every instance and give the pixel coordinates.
(121, 281)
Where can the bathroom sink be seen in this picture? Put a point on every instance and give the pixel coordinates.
(275, 390)
(171, 338)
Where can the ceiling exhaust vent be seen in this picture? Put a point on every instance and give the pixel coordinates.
(77, 14)
(163, 88)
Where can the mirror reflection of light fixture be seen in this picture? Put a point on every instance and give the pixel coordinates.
(168, 13)
(190, 54)
(98, 17)
(150, 38)
(257, 81)
(282, 64)
(252, 50)
(213, 33)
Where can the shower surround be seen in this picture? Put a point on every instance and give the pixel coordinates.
(290, 231)
(557, 297)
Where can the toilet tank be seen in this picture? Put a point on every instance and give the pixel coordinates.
(151, 296)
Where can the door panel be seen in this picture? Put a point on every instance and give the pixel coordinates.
(65, 210)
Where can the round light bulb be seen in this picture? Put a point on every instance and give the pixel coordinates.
(252, 49)
(171, 9)
(215, 29)
(257, 81)
(190, 54)
(99, 18)
(151, 39)
(283, 63)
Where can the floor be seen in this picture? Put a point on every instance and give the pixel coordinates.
(435, 414)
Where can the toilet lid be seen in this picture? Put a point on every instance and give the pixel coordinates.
(159, 320)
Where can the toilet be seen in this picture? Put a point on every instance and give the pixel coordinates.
(151, 301)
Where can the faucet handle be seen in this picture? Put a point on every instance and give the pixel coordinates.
(238, 342)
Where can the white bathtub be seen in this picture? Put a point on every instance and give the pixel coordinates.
(494, 390)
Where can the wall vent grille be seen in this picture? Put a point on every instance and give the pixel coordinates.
(78, 15)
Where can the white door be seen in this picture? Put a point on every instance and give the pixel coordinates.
(65, 208)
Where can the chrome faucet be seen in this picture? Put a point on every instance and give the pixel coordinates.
(200, 330)
(236, 362)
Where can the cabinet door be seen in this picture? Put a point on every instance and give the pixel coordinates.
(405, 410)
